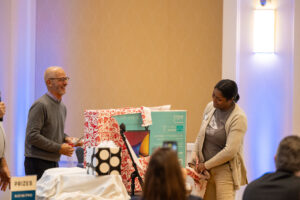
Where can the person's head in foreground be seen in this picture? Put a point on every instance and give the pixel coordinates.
(288, 154)
(285, 182)
(164, 179)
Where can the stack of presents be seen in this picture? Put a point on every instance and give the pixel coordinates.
(146, 129)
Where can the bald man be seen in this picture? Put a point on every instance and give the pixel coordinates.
(45, 138)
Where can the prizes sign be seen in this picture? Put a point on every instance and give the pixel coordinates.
(23, 188)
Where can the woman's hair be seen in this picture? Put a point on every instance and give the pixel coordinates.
(164, 178)
(229, 89)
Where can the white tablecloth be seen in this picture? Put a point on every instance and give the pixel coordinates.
(75, 184)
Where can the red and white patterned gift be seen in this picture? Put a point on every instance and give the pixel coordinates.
(200, 180)
(99, 125)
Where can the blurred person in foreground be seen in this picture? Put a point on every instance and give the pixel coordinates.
(4, 171)
(45, 138)
(284, 183)
(164, 178)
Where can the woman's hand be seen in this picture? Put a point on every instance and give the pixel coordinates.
(200, 167)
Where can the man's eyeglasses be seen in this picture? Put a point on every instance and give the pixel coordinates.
(60, 79)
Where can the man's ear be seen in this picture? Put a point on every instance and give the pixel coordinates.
(48, 83)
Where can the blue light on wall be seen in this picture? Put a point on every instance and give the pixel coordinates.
(265, 79)
(23, 73)
(20, 127)
(266, 112)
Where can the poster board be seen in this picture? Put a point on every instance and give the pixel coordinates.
(166, 126)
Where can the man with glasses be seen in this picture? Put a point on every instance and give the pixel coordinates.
(45, 138)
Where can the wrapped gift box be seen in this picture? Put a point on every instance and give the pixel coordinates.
(100, 126)
(103, 125)
(103, 161)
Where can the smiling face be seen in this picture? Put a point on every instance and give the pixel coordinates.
(220, 101)
(56, 81)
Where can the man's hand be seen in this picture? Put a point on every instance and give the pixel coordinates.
(2, 109)
(4, 175)
(79, 142)
(74, 141)
(66, 149)
(68, 140)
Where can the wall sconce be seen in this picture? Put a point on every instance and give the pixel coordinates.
(264, 30)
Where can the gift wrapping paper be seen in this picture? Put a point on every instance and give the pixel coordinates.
(99, 125)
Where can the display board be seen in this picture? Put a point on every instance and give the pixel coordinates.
(167, 126)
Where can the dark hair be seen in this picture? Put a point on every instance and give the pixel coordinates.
(229, 89)
(164, 179)
(288, 154)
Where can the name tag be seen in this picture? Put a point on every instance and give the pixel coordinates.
(205, 117)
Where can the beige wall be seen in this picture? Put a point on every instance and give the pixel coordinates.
(122, 53)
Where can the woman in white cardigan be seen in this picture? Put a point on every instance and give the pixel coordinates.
(219, 144)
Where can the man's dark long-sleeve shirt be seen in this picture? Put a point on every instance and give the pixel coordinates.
(280, 185)
(45, 129)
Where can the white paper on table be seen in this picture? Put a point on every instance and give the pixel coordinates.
(75, 184)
